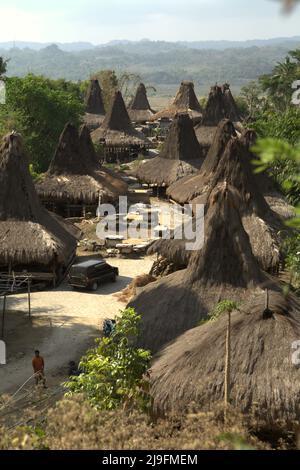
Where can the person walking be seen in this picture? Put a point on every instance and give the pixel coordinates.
(38, 365)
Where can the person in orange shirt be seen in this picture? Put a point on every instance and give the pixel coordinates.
(38, 365)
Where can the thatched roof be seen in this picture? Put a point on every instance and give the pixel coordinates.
(225, 268)
(94, 105)
(75, 176)
(230, 163)
(220, 105)
(185, 101)
(181, 155)
(263, 377)
(139, 109)
(187, 189)
(117, 129)
(29, 233)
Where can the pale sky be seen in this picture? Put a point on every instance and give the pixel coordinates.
(100, 21)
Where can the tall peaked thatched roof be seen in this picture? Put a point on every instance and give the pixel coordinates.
(75, 176)
(187, 189)
(117, 129)
(93, 99)
(230, 106)
(231, 164)
(29, 234)
(220, 105)
(223, 268)
(94, 106)
(185, 101)
(181, 155)
(263, 376)
(67, 158)
(139, 109)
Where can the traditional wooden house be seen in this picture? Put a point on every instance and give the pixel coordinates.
(32, 239)
(139, 109)
(185, 101)
(120, 141)
(75, 183)
(181, 155)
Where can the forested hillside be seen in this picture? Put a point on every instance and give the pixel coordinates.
(158, 63)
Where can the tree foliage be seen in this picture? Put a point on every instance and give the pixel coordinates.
(39, 108)
(113, 371)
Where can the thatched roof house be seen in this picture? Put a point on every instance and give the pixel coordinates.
(31, 238)
(139, 109)
(230, 163)
(117, 131)
(263, 376)
(224, 268)
(185, 101)
(75, 181)
(220, 105)
(190, 187)
(181, 155)
(94, 106)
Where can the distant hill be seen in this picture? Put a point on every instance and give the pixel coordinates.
(157, 62)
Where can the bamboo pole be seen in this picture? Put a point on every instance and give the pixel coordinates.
(29, 297)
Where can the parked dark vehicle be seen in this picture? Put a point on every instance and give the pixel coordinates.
(90, 274)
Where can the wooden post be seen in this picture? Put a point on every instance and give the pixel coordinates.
(3, 316)
(29, 298)
(227, 366)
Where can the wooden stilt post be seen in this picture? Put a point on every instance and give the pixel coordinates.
(29, 298)
(3, 316)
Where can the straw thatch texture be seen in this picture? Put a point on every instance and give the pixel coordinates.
(263, 377)
(220, 105)
(185, 101)
(29, 234)
(117, 129)
(233, 166)
(75, 176)
(139, 109)
(190, 187)
(94, 106)
(181, 155)
(224, 268)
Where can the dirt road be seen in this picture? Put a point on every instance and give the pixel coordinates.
(64, 325)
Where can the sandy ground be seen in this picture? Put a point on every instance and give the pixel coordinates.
(63, 326)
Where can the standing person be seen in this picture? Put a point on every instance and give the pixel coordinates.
(38, 365)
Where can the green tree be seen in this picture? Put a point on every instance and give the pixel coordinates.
(3, 66)
(113, 371)
(39, 108)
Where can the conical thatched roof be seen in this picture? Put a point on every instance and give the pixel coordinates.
(117, 129)
(231, 164)
(75, 176)
(220, 105)
(263, 376)
(225, 268)
(29, 234)
(140, 110)
(187, 189)
(94, 105)
(181, 155)
(185, 101)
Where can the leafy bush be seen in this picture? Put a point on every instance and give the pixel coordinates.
(113, 371)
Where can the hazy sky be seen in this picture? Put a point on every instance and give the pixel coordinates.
(100, 21)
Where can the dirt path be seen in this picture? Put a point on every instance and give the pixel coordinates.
(64, 325)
